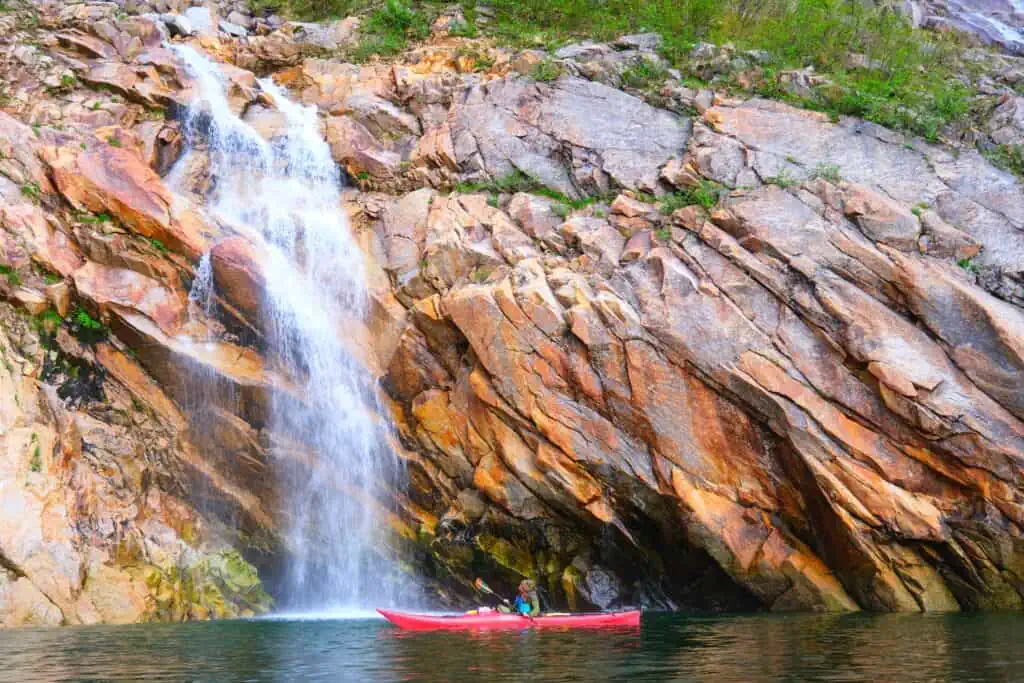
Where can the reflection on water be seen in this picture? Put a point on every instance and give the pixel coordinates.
(751, 649)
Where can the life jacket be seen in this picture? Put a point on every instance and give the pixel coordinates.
(522, 606)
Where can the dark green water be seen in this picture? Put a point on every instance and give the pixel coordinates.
(750, 649)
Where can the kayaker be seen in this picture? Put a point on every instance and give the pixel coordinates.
(527, 603)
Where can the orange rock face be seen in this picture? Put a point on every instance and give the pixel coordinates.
(786, 390)
(111, 180)
(785, 396)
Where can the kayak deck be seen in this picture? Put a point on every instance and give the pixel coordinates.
(496, 620)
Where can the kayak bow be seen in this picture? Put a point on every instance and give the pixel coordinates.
(498, 620)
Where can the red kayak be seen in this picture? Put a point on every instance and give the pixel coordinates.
(430, 622)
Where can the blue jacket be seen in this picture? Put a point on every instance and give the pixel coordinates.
(521, 606)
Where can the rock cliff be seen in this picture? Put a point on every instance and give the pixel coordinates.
(671, 347)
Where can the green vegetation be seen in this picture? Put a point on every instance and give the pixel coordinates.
(220, 585)
(464, 30)
(32, 191)
(47, 322)
(93, 218)
(68, 81)
(783, 179)
(157, 244)
(481, 60)
(902, 77)
(705, 195)
(11, 274)
(665, 235)
(36, 462)
(481, 274)
(561, 210)
(86, 328)
(86, 321)
(829, 172)
(517, 181)
(510, 183)
(644, 75)
(547, 70)
(969, 266)
(309, 9)
(906, 81)
(1009, 158)
(113, 141)
(363, 175)
(389, 29)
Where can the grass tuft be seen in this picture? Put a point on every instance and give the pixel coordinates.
(705, 195)
(389, 29)
(157, 244)
(32, 191)
(12, 275)
(1009, 158)
(783, 179)
(829, 172)
(547, 70)
(86, 328)
(907, 79)
(644, 75)
(969, 266)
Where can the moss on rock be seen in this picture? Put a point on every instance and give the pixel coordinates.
(220, 585)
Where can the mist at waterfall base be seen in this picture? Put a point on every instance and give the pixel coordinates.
(330, 455)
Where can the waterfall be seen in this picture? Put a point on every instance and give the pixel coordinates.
(331, 455)
(201, 294)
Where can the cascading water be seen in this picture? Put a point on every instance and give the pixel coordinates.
(286, 193)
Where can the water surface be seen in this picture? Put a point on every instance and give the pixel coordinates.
(751, 649)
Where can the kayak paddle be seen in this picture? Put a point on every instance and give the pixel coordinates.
(484, 588)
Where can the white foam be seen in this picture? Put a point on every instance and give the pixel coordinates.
(285, 194)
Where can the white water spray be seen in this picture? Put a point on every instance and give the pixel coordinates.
(287, 195)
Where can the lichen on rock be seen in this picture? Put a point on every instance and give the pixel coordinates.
(216, 585)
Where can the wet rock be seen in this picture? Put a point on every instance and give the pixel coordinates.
(238, 270)
(202, 20)
(232, 29)
(112, 180)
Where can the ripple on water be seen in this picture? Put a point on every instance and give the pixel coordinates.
(748, 649)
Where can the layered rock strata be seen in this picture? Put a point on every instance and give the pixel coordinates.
(684, 351)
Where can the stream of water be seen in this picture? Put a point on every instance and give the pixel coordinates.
(284, 195)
